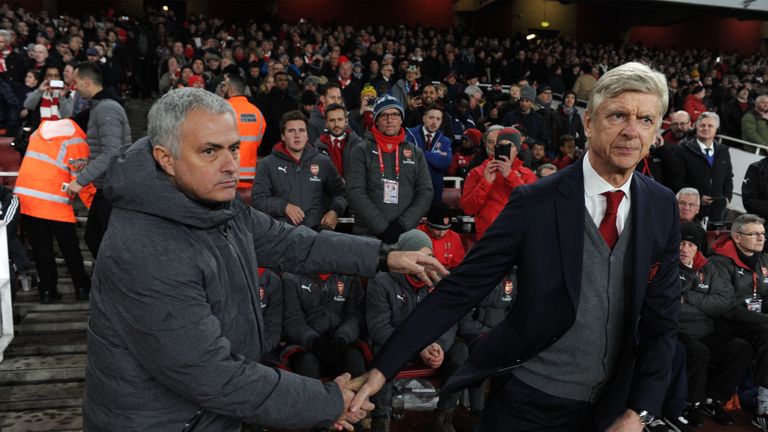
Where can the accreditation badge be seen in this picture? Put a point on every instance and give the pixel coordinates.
(391, 191)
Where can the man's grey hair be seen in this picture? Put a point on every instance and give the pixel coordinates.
(474, 90)
(745, 219)
(489, 130)
(6, 35)
(689, 191)
(757, 99)
(630, 77)
(169, 112)
(706, 115)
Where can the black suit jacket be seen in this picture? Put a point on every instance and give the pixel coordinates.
(541, 230)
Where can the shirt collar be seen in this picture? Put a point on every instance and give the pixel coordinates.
(595, 185)
(704, 148)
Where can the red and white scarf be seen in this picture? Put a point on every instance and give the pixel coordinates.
(49, 106)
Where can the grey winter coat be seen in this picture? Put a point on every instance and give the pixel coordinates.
(365, 187)
(316, 125)
(108, 130)
(313, 184)
(706, 297)
(389, 299)
(315, 308)
(176, 330)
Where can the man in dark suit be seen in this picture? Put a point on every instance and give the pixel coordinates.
(574, 353)
(707, 167)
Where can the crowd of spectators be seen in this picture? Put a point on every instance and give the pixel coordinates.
(157, 52)
(388, 112)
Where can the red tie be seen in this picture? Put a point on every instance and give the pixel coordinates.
(608, 225)
(337, 143)
(429, 141)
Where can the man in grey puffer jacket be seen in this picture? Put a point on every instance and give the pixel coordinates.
(175, 333)
(297, 184)
(108, 130)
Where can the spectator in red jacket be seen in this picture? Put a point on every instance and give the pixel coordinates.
(446, 243)
(694, 103)
(488, 186)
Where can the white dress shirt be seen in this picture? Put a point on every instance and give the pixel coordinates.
(594, 186)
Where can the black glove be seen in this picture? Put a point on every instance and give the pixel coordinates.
(392, 233)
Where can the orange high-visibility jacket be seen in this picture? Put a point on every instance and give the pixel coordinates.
(251, 125)
(56, 151)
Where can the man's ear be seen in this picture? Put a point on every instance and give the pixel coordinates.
(164, 157)
(587, 124)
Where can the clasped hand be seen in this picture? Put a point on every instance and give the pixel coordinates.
(349, 390)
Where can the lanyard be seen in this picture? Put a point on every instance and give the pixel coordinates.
(397, 161)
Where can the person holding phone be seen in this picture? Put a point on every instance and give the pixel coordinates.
(488, 186)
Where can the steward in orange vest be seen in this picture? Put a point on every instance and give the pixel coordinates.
(57, 150)
(251, 125)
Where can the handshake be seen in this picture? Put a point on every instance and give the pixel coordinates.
(356, 393)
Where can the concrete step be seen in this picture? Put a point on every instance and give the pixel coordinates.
(41, 396)
(58, 419)
(47, 344)
(64, 286)
(49, 322)
(29, 301)
(40, 369)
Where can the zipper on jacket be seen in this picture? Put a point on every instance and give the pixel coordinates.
(256, 311)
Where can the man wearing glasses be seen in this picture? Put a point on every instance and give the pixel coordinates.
(388, 186)
(740, 260)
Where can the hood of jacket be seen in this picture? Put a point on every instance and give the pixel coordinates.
(135, 182)
(108, 93)
(726, 247)
(281, 152)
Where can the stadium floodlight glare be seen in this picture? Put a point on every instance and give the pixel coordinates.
(165, 8)
(545, 24)
(531, 36)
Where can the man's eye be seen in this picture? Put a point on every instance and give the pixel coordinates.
(209, 152)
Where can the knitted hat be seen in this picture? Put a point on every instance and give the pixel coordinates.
(528, 92)
(694, 233)
(368, 90)
(386, 102)
(311, 79)
(437, 214)
(413, 240)
(194, 79)
(510, 134)
(474, 136)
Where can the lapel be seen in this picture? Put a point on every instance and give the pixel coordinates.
(570, 227)
(642, 240)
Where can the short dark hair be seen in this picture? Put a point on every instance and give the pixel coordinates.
(334, 107)
(279, 73)
(89, 70)
(291, 116)
(236, 83)
(327, 86)
(537, 143)
(566, 138)
(433, 107)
